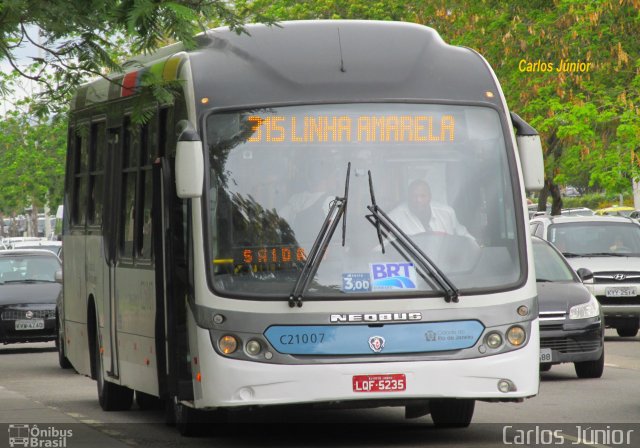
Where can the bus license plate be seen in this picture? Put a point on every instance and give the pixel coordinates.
(32, 324)
(545, 355)
(394, 382)
(620, 291)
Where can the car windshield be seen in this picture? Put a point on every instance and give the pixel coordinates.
(441, 172)
(27, 268)
(596, 238)
(550, 267)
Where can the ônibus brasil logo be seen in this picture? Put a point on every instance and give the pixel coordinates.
(32, 436)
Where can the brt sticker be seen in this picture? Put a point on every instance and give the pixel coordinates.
(393, 276)
(356, 282)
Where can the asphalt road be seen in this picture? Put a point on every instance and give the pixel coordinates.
(569, 411)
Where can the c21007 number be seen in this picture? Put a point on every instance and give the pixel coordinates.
(303, 338)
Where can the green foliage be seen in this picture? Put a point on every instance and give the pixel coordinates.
(594, 201)
(32, 169)
(82, 39)
(589, 120)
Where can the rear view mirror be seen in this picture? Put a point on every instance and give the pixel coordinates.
(530, 152)
(585, 275)
(189, 165)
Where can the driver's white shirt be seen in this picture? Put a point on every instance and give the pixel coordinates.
(443, 220)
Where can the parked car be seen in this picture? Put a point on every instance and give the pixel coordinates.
(50, 245)
(571, 192)
(616, 210)
(608, 246)
(28, 294)
(635, 214)
(577, 211)
(571, 319)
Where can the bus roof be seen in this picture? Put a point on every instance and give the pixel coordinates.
(317, 61)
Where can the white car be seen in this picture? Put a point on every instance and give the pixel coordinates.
(608, 246)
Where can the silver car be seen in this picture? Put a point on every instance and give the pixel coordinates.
(608, 246)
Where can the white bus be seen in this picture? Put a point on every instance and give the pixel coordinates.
(248, 245)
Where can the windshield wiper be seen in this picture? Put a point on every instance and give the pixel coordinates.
(605, 254)
(23, 280)
(382, 221)
(337, 210)
(571, 255)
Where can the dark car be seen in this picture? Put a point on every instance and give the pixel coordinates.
(28, 293)
(608, 246)
(571, 319)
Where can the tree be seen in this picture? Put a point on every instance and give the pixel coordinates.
(589, 120)
(32, 169)
(89, 38)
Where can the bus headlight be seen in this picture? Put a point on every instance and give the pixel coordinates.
(253, 347)
(516, 335)
(585, 310)
(493, 339)
(228, 344)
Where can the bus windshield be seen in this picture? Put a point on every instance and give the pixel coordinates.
(440, 172)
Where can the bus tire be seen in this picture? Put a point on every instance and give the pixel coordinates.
(452, 413)
(111, 396)
(62, 358)
(189, 421)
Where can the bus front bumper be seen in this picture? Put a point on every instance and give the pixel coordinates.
(235, 383)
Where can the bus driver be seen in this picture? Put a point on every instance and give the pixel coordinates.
(421, 214)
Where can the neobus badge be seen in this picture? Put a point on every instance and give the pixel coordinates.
(383, 317)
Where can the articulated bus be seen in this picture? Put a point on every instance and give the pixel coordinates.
(255, 242)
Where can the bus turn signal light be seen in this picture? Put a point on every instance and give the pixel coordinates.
(228, 344)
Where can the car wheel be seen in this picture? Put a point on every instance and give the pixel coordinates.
(590, 369)
(452, 413)
(628, 330)
(545, 367)
(62, 358)
(111, 396)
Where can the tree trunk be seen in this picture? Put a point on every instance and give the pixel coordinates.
(34, 220)
(554, 191)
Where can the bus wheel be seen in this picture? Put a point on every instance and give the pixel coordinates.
(62, 358)
(452, 413)
(112, 397)
(189, 421)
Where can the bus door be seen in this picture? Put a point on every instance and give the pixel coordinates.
(169, 214)
(112, 200)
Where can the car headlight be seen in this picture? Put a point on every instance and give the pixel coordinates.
(585, 310)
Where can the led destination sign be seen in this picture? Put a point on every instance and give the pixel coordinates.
(344, 128)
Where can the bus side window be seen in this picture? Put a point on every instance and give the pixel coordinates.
(148, 152)
(80, 155)
(130, 153)
(96, 173)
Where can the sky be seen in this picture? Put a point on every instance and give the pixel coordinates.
(23, 54)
